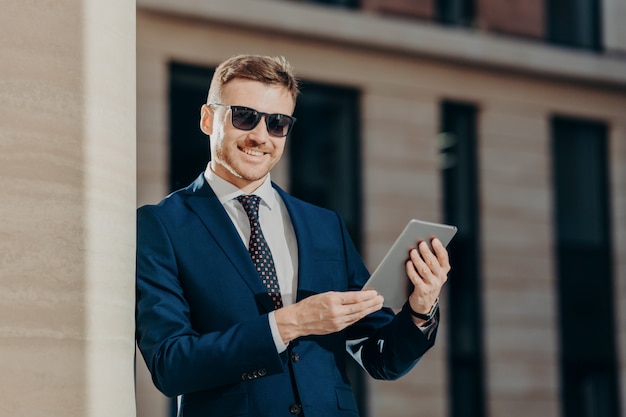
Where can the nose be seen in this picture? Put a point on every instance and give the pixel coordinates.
(260, 133)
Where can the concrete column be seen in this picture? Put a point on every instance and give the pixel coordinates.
(67, 225)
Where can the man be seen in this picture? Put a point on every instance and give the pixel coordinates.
(242, 320)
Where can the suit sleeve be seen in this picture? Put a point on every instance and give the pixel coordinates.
(180, 359)
(385, 344)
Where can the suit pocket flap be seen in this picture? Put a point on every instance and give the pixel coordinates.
(345, 399)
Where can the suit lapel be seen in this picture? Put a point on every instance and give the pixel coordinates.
(205, 204)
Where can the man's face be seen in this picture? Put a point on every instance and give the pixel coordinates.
(244, 158)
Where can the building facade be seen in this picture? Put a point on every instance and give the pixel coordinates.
(506, 118)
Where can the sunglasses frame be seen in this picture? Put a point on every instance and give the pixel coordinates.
(258, 120)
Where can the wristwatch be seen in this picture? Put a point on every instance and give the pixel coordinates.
(427, 316)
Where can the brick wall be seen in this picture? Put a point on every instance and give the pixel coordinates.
(422, 9)
(523, 18)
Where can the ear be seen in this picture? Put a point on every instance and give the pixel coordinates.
(206, 119)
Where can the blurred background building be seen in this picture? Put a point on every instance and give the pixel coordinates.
(504, 117)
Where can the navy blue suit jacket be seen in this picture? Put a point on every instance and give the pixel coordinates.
(202, 323)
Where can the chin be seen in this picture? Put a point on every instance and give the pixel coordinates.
(247, 175)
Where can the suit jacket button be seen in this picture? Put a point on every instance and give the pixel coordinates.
(295, 409)
(295, 357)
(262, 372)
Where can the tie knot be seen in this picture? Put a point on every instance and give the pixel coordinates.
(250, 204)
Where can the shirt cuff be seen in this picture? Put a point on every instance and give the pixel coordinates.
(278, 341)
(430, 327)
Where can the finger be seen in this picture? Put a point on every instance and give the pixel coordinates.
(365, 305)
(366, 309)
(427, 254)
(414, 276)
(431, 260)
(442, 254)
(352, 297)
(339, 307)
(412, 265)
(421, 267)
(351, 314)
(437, 262)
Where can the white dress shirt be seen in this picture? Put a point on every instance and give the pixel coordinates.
(277, 229)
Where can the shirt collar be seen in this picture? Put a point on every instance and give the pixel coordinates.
(226, 191)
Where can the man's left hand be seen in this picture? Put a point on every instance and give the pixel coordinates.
(428, 271)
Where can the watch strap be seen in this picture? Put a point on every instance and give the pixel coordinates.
(423, 316)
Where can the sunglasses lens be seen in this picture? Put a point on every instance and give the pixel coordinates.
(244, 119)
(278, 124)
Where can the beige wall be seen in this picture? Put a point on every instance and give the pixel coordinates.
(401, 93)
(67, 176)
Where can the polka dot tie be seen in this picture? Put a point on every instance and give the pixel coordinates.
(259, 250)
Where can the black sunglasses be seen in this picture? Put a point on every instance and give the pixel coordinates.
(245, 118)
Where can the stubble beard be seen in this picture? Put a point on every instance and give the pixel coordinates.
(230, 165)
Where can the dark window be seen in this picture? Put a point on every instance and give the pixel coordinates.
(460, 192)
(584, 269)
(351, 4)
(189, 146)
(456, 12)
(574, 23)
(324, 150)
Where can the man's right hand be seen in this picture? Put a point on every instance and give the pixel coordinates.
(325, 313)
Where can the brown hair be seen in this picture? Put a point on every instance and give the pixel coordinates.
(265, 69)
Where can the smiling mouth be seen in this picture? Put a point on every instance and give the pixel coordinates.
(253, 152)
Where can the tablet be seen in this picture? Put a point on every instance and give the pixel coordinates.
(390, 278)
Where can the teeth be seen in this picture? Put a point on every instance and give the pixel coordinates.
(253, 153)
